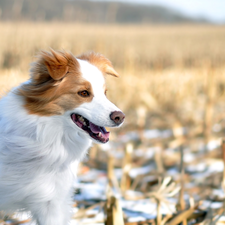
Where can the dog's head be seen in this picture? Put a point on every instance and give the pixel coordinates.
(73, 87)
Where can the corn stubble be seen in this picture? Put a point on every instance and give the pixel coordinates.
(171, 77)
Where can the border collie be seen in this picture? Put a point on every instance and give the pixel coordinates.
(47, 125)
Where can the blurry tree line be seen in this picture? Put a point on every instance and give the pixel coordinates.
(88, 11)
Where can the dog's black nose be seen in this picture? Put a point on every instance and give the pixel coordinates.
(117, 117)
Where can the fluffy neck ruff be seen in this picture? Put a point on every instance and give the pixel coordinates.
(48, 141)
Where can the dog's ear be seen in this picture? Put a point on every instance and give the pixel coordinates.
(110, 71)
(56, 63)
(99, 61)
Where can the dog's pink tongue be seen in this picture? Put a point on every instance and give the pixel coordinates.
(96, 129)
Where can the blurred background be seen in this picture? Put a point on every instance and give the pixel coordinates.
(165, 164)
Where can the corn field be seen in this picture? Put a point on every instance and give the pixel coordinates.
(166, 164)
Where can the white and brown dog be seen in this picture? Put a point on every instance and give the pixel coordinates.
(46, 125)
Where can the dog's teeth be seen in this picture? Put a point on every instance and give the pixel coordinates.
(84, 123)
(100, 134)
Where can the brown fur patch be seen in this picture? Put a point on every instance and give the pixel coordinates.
(54, 85)
(100, 61)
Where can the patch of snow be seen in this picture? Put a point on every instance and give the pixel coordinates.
(134, 172)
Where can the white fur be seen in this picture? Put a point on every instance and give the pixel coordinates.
(37, 153)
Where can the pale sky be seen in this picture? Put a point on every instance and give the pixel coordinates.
(213, 10)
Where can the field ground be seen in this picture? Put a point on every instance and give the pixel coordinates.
(167, 156)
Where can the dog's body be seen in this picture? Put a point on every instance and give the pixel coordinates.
(46, 126)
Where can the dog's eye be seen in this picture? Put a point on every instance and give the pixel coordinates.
(83, 93)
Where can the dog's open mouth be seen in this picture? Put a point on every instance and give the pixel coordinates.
(96, 132)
